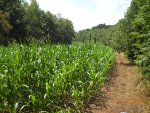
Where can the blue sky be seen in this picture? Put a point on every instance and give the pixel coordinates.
(87, 13)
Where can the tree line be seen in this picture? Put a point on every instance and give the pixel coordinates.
(97, 34)
(130, 35)
(22, 22)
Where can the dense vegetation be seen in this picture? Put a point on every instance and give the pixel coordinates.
(21, 22)
(98, 34)
(131, 34)
(54, 78)
(51, 78)
(37, 76)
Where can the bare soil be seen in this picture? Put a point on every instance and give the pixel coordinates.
(123, 92)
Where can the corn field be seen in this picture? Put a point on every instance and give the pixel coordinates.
(52, 78)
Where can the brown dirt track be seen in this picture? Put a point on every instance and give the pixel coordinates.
(123, 92)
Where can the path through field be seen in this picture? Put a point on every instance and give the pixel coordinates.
(122, 93)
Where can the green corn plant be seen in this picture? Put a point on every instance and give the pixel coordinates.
(52, 78)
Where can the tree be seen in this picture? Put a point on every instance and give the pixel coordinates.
(23, 21)
(65, 31)
(50, 26)
(34, 20)
(5, 26)
(15, 19)
(136, 28)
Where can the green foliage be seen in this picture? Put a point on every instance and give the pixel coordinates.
(65, 31)
(21, 21)
(131, 34)
(51, 78)
(34, 20)
(98, 34)
(5, 26)
(101, 26)
(139, 34)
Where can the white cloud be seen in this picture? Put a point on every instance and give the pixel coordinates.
(87, 13)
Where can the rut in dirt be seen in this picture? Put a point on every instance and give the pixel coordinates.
(123, 92)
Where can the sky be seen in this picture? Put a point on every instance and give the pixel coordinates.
(87, 13)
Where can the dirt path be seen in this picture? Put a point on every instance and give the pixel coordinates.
(121, 93)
